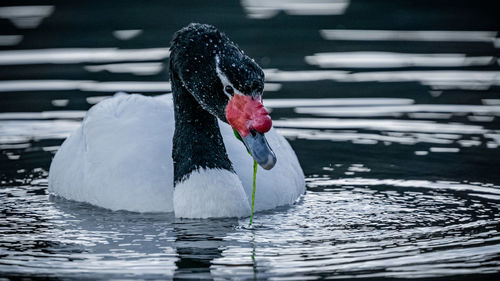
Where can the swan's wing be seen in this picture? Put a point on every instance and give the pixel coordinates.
(120, 158)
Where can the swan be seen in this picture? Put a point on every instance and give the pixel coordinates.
(178, 152)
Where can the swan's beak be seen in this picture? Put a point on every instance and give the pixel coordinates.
(260, 150)
(251, 120)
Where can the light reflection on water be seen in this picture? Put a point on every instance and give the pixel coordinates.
(393, 60)
(83, 85)
(87, 55)
(401, 164)
(409, 35)
(26, 16)
(436, 79)
(397, 110)
(8, 40)
(127, 34)
(264, 9)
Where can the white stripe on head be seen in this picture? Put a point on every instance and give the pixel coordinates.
(223, 79)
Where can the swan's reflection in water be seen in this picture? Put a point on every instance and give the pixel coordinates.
(104, 243)
(109, 243)
(198, 243)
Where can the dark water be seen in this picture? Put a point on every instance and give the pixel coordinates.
(392, 107)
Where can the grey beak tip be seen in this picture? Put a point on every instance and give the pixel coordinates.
(270, 163)
(260, 150)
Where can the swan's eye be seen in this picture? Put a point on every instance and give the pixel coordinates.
(229, 90)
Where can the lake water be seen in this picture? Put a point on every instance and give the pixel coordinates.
(392, 107)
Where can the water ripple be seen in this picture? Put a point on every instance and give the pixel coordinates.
(363, 231)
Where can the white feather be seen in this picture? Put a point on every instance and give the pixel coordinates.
(211, 193)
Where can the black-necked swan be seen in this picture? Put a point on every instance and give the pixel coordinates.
(176, 152)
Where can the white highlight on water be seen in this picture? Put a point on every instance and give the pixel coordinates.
(265, 9)
(408, 35)
(26, 16)
(83, 85)
(396, 110)
(391, 60)
(142, 68)
(10, 40)
(436, 79)
(127, 34)
(80, 55)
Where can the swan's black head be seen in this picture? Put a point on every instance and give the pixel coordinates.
(202, 57)
(210, 67)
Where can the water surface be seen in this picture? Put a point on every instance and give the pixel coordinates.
(392, 108)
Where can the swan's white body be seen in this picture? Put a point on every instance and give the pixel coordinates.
(120, 158)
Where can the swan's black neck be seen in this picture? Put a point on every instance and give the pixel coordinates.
(197, 139)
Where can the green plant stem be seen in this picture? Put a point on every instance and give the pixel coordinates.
(237, 135)
(253, 192)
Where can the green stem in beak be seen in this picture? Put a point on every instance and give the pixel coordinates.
(253, 192)
(237, 135)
